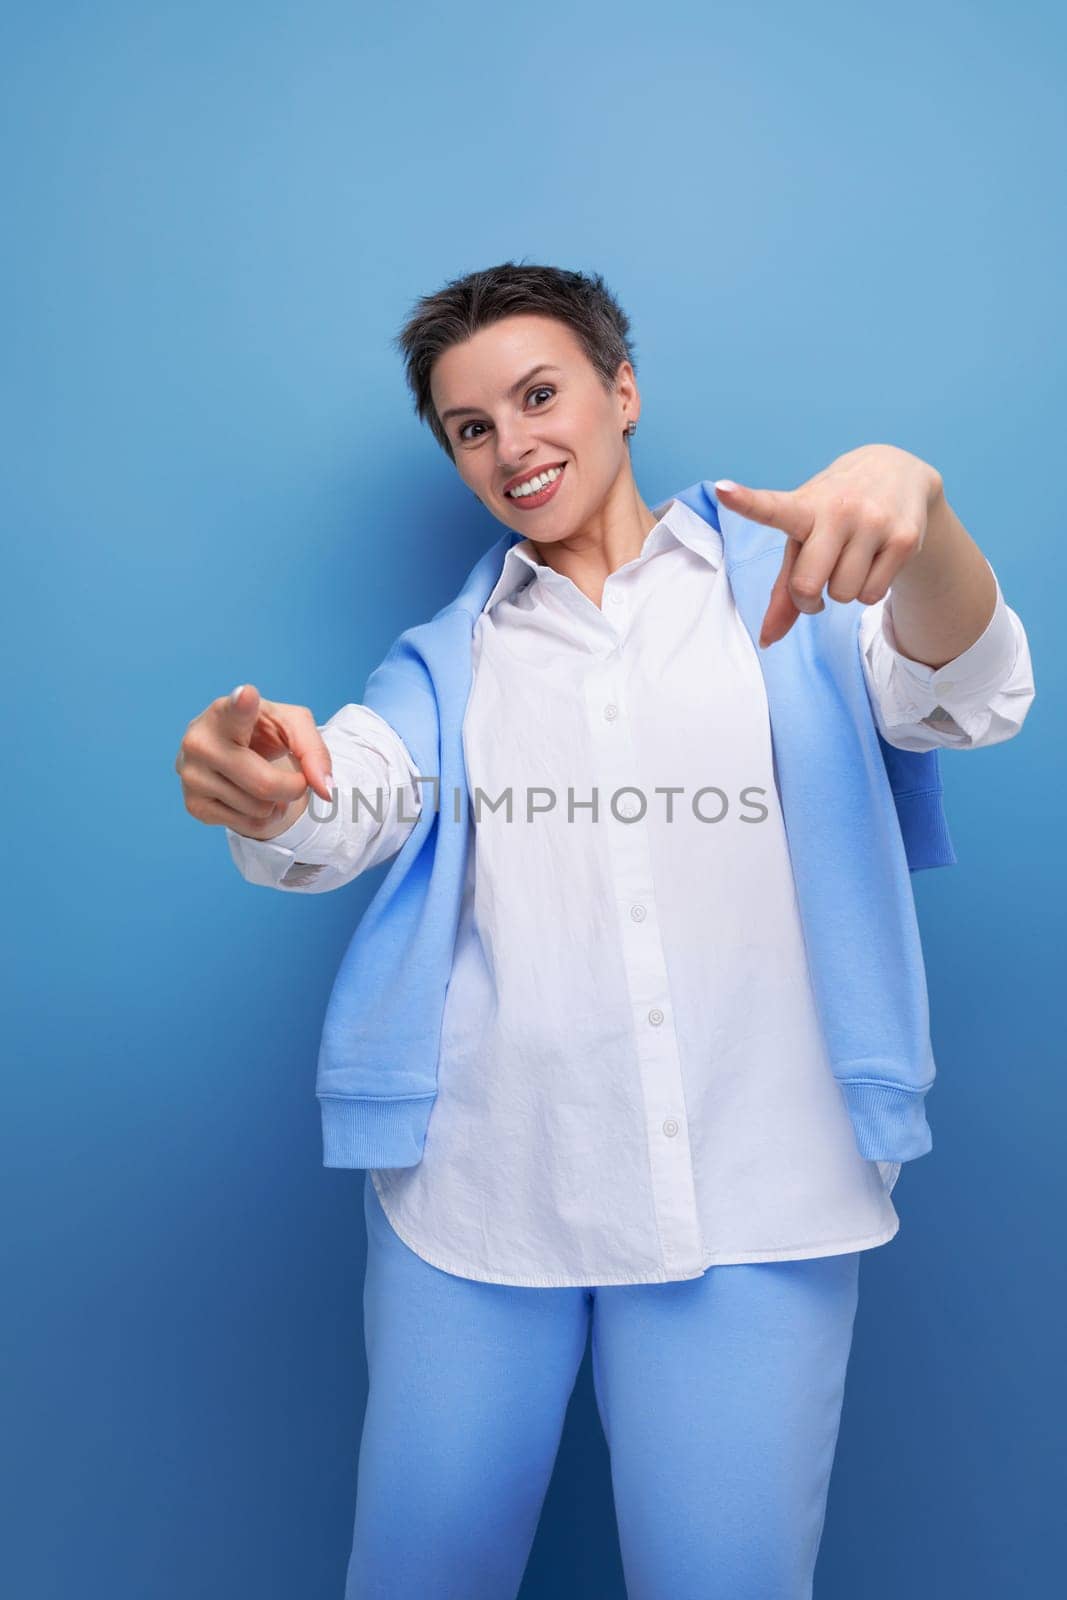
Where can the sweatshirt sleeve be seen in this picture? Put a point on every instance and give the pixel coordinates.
(376, 806)
(980, 698)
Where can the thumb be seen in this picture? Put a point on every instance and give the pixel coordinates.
(781, 612)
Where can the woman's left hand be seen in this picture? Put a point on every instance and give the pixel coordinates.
(850, 529)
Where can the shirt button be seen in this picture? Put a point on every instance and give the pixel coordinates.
(611, 712)
(655, 1016)
(638, 913)
(628, 808)
(947, 683)
(670, 1127)
(614, 598)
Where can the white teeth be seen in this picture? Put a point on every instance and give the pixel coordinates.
(533, 485)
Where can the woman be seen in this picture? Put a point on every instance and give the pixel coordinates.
(632, 1041)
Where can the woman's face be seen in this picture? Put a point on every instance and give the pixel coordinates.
(511, 420)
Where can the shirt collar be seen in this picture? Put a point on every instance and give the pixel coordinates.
(677, 524)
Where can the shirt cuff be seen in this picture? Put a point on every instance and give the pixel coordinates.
(282, 846)
(300, 831)
(985, 664)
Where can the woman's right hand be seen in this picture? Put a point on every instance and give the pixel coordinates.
(246, 763)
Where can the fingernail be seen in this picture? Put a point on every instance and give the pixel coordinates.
(236, 692)
(725, 483)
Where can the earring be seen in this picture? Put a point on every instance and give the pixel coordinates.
(630, 429)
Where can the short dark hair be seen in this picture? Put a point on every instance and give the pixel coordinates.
(456, 312)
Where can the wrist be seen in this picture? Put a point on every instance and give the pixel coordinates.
(290, 817)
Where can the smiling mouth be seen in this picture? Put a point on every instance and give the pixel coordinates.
(535, 495)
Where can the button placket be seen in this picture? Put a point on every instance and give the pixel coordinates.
(659, 1062)
(614, 611)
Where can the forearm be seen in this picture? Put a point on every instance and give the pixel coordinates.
(942, 600)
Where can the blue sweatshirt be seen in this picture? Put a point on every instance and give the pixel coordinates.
(860, 816)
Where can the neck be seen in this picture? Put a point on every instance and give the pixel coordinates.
(614, 535)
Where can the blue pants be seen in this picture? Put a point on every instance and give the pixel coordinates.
(720, 1399)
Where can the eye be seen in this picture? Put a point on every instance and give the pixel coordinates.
(542, 388)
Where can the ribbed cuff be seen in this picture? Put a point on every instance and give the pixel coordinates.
(374, 1131)
(890, 1123)
(923, 823)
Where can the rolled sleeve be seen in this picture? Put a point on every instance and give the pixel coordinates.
(980, 697)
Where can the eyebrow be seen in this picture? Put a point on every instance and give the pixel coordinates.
(463, 411)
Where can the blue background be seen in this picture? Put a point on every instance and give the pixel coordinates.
(830, 227)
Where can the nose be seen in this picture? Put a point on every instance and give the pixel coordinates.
(513, 453)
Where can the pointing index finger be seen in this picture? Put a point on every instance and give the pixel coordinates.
(776, 508)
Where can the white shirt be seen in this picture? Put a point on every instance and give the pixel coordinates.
(633, 1083)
